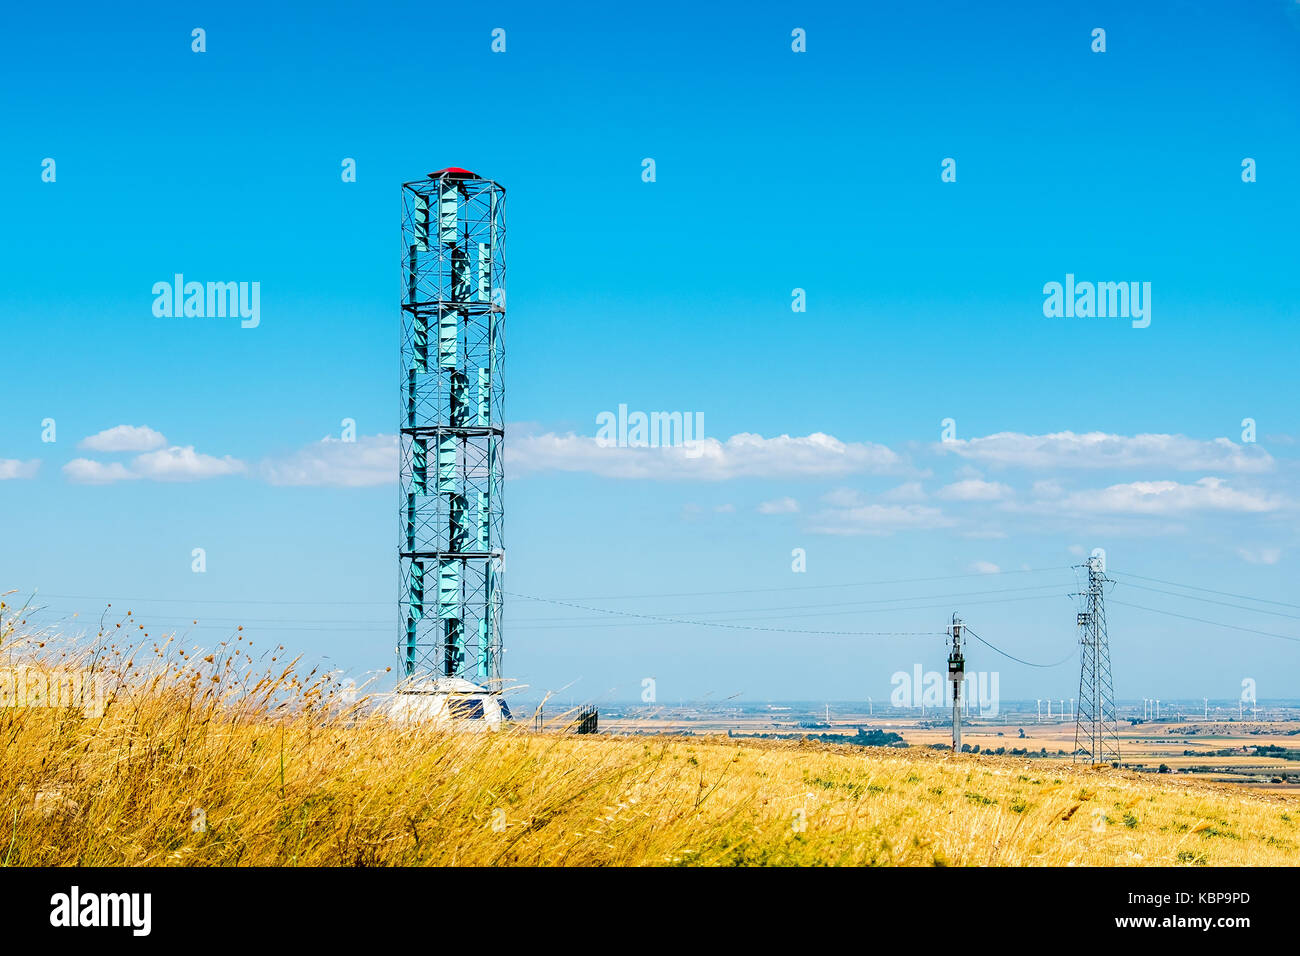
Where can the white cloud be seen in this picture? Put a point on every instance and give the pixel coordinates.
(1101, 450)
(168, 464)
(124, 438)
(15, 468)
(907, 491)
(879, 519)
(179, 463)
(370, 460)
(1262, 556)
(779, 506)
(842, 497)
(1168, 498)
(1048, 488)
(741, 456)
(84, 471)
(973, 489)
(985, 567)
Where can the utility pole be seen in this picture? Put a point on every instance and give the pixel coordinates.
(956, 674)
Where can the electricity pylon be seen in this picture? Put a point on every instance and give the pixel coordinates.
(1096, 730)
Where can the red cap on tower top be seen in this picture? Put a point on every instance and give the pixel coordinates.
(453, 172)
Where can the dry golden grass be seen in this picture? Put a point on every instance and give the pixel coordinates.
(278, 774)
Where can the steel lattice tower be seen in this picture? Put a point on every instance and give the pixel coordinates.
(453, 392)
(1096, 730)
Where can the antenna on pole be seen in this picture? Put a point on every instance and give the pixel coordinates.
(1096, 731)
(956, 674)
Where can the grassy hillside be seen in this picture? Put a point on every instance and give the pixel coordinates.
(215, 762)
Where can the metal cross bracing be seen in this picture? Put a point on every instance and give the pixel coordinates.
(1096, 729)
(451, 553)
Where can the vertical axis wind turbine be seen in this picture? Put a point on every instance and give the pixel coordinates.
(453, 395)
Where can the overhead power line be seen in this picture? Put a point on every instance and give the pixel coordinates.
(742, 627)
(1012, 657)
(756, 614)
(819, 587)
(1193, 587)
(761, 612)
(1201, 620)
(535, 624)
(613, 597)
(1193, 597)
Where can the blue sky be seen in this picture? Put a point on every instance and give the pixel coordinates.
(775, 170)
